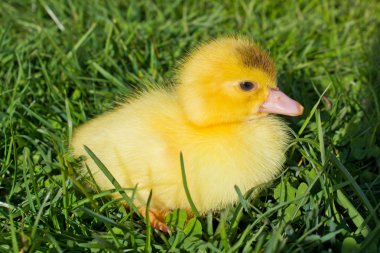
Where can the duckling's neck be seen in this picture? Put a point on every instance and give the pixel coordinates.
(218, 125)
(201, 113)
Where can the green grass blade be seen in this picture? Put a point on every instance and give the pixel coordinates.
(223, 230)
(148, 242)
(186, 188)
(110, 77)
(81, 40)
(13, 229)
(29, 194)
(353, 212)
(102, 218)
(38, 217)
(356, 188)
(312, 112)
(320, 137)
(55, 243)
(110, 177)
(371, 240)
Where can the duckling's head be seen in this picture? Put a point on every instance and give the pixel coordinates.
(231, 80)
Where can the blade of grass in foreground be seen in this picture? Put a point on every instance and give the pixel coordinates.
(238, 213)
(13, 229)
(103, 218)
(370, 241)
(312, 112)
(223, 232)
(54, 243)
(148, 246)
(355, 215)
(355, 187)
(29, 194)
(108, 174)
(320, 137)
(39, 214)
(184, 180)
(188, 195)
(106, 220)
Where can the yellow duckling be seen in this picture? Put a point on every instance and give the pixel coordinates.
(216, 115)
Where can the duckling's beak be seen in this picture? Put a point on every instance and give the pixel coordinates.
(279, 103)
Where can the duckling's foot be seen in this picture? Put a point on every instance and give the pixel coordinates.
(156, 218)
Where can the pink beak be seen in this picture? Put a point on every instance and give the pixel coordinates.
(279, 103)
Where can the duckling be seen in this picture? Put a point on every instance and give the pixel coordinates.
(217, 114)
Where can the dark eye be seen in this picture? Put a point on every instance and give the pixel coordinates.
(247, 85)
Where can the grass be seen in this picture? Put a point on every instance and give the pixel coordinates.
(63, 62)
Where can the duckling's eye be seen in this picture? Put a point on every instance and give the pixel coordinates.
(247, 85)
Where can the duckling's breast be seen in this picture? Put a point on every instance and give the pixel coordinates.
(247, 155)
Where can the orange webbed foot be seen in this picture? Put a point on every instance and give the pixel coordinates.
(156, 218)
